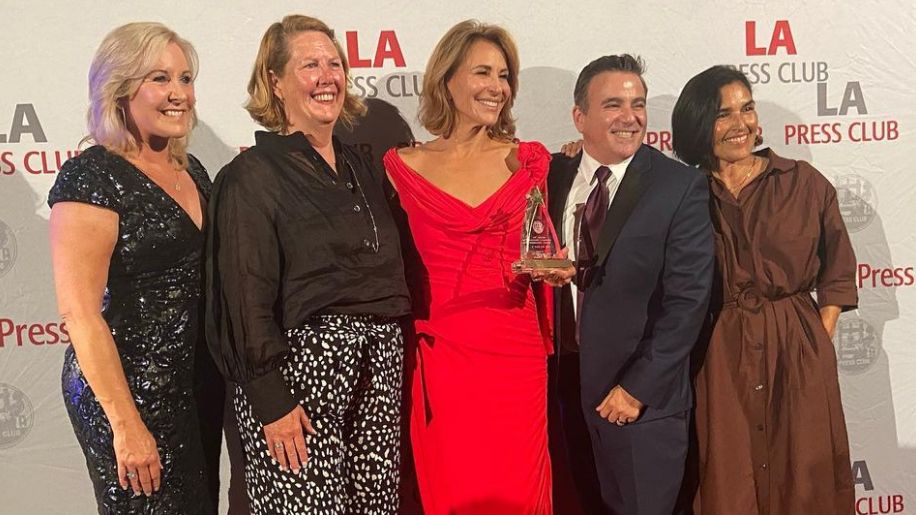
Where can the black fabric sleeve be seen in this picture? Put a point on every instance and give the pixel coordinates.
(243, 289)
(89, 179)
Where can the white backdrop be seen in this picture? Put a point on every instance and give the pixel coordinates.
(834, 84)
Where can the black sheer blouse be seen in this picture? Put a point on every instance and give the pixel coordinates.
(290, 239)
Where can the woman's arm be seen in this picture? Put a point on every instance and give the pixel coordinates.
(836, 279)
(829, 317)
(82, 240)
(244, 270)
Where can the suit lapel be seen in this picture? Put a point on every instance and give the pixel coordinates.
(559, 182)
(562, 172)
(634, 184)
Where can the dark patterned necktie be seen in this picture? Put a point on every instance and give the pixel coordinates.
(592, 220)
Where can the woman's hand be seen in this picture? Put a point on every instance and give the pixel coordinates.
(556, 276)
(285, 440)
(83, 238)
(829, 317)
(138, 458)
(570, 149)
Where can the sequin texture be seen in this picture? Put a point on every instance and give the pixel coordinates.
(151, 304)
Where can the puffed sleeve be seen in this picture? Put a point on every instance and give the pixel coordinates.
(836, 280)
(89, 178)
(243, 288)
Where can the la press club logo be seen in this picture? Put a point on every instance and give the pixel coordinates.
(872, 503)
(857, 200)
(368, 53)
(842, 106)
(16, 415)
(857, 345)
(7, 249)
(20, 125)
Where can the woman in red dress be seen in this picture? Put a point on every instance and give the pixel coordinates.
(479, 385)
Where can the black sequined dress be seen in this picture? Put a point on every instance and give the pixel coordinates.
(152, 305)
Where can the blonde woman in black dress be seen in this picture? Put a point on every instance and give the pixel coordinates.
(126, 237)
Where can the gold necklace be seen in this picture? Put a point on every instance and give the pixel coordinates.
(177, 175)
(737, 187)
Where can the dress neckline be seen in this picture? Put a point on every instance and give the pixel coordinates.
(184, 214)
(487, 200)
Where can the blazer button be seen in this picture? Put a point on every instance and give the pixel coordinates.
(356, 208)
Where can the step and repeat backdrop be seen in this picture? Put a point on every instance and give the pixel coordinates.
(834, 83)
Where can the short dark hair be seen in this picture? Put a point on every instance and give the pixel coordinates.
(608, 63)
(693, 120)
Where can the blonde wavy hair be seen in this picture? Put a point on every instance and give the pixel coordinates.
(273, 54)
(124, 59)
(437, 112)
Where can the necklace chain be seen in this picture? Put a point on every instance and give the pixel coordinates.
(737, 187)
(353, 173)
(177, 185)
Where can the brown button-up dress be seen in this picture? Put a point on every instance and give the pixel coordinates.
(770, 427)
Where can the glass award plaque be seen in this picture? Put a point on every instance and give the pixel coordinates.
(540, 246)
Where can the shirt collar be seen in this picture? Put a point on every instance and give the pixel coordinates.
(295, 142)
(589, 164)
(776, 162)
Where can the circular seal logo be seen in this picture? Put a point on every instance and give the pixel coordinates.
(16, 416)
(857, 345)
(537, 226)
(857, 200)
(7, 249)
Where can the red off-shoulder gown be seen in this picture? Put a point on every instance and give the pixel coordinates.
(479, 387)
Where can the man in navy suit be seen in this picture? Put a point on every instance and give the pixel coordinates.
(627, 326)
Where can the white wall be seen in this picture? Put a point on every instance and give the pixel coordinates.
(862, 50)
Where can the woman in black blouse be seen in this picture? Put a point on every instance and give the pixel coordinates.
(305, 279)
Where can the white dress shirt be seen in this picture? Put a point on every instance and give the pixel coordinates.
(582, 185)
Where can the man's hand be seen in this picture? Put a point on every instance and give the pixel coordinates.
(619, 407)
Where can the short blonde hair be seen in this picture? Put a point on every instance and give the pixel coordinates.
(273, 54)
(437, 112)
(123, 60)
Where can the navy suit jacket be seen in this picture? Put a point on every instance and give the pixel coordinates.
(648, 296)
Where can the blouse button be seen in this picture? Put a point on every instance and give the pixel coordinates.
(758, 387)
(356, 209)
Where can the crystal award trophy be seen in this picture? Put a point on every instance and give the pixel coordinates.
(540, 246)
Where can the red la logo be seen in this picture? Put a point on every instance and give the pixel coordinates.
(782, 37)
(387, 47)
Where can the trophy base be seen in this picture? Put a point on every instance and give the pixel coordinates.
(527, 266)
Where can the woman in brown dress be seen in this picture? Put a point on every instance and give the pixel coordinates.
(769, 422)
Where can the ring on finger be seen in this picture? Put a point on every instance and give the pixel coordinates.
(131, 474)
(278, 446)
